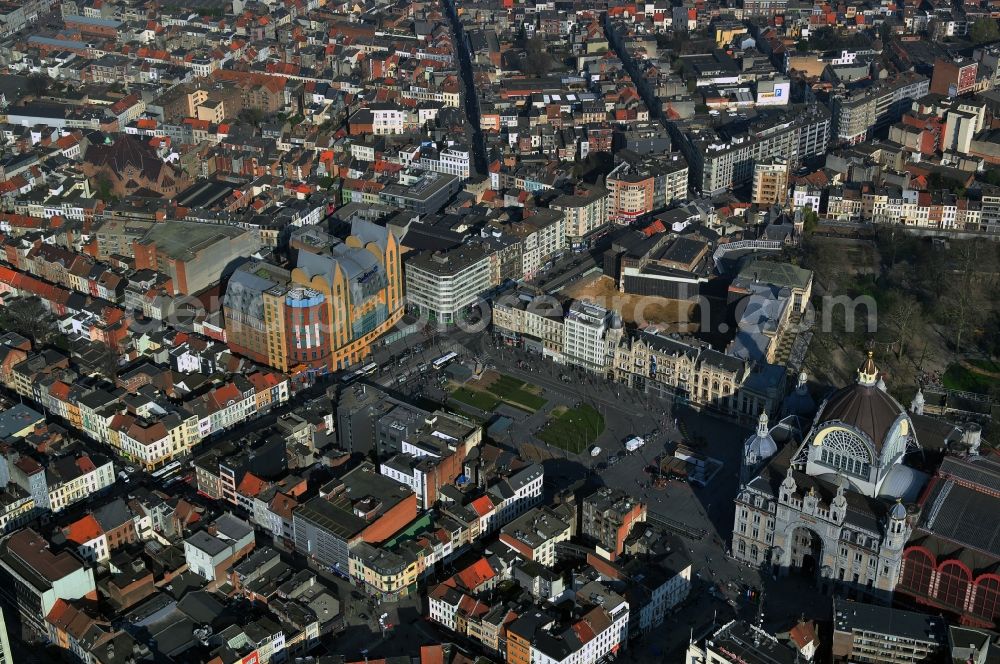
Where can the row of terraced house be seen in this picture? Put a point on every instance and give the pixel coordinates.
(145, 426)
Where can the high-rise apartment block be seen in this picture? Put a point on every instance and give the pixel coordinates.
(585, 211)
(725, 156)
(770, 182)
(860, 114)
(639, 185)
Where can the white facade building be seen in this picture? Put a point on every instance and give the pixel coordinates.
(34, 577)
(806, 196)
(543, 234)
(610, 611)
(513, 497)
(535, 534)
(452, 161)
(830, 511)
(664, 598)
(442, 284)
(584, 330)
(388, 120)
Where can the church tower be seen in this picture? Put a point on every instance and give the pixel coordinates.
(898, 532)
(757, 449)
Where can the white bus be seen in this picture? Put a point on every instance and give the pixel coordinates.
(167, 471)
(368, 369)
(444, 359)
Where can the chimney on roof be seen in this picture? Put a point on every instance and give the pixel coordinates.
(212, 529)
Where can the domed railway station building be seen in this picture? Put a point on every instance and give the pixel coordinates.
(840, 501)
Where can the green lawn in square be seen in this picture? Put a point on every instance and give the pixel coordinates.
(480, 400)
(574, 430)
(512, 389)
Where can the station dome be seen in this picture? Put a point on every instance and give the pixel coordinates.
(866, 407)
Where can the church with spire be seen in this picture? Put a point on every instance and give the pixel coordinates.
(836, 504)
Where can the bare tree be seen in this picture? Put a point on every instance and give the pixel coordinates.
(38, 84)
(252, 116)
(27, 317)
(903, 318)
(965, 290)
(107, 363)
(825, 260)
(537, 61)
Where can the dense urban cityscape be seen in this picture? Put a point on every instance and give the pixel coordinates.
(510, 331)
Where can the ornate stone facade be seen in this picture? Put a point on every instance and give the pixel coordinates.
(831, 506)
(706, 378)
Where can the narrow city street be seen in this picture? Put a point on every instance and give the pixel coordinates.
(469, 94)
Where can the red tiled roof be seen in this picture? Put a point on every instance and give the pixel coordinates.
(483, 505)
(13, 184)
(34, 286)
(22, 220)
(223, 395)
(59, 610)
(476, 574)
(583, 631)
(654, 228)
(263, 380)
(85, 464)
(186, 513)
(195, 123)
(251, 485)
(282, 505)
(124, 104)
(432, 654)
(83, 530)
(59, 390)
(28, 465)
(803, 634)
(473, 607)
(251, 79)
